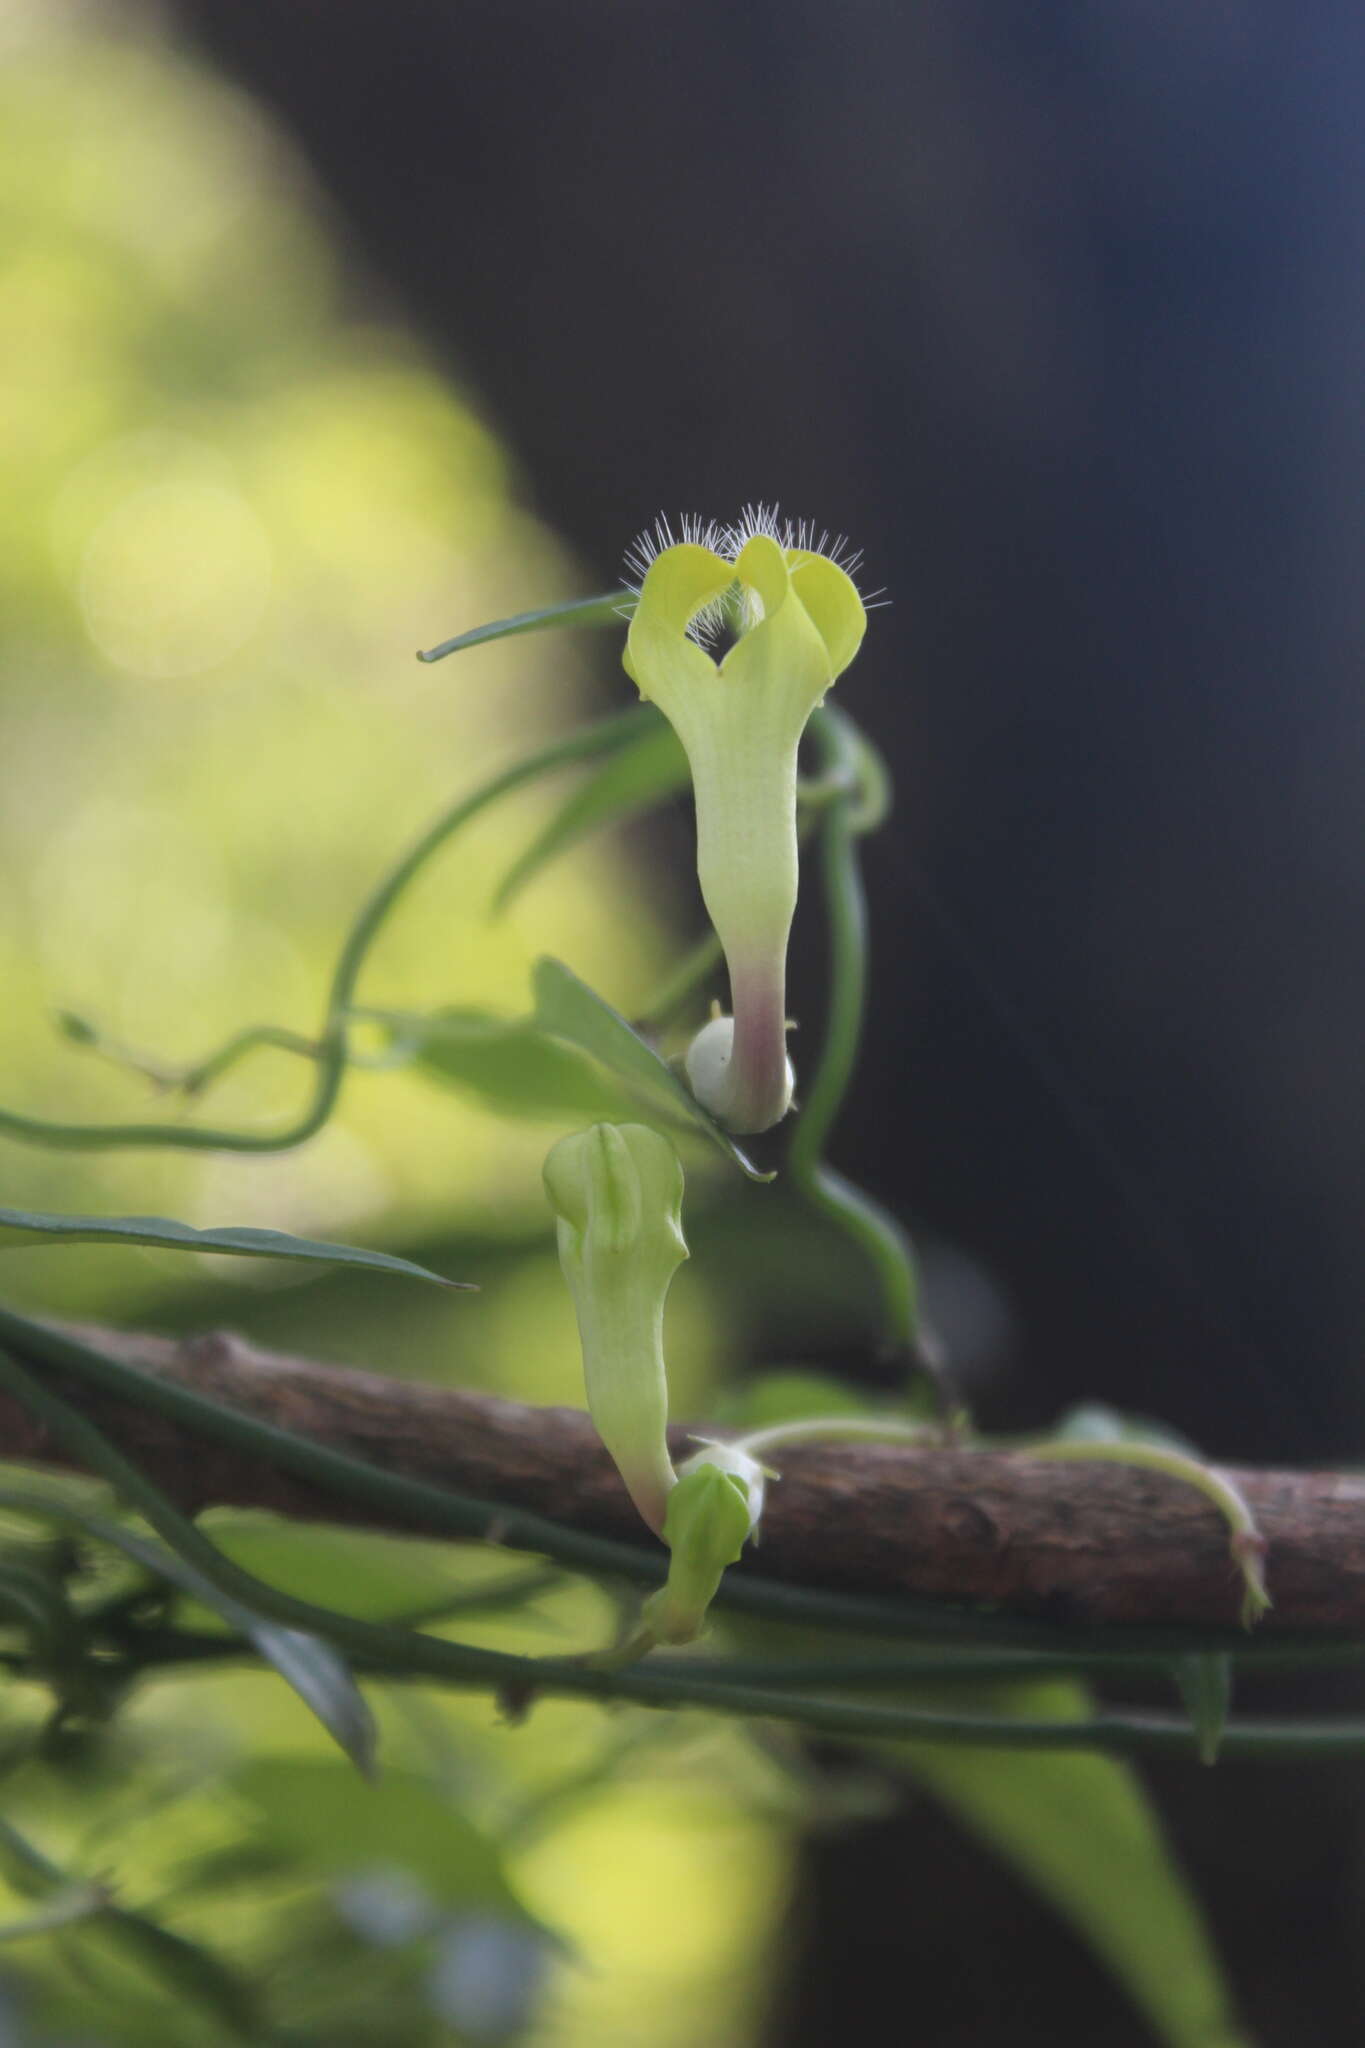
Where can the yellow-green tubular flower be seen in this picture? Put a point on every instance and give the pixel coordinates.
(798, 622)
(616, 1191)
(712, 1512)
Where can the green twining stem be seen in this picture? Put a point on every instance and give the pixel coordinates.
(842, 752)
(1248, 1546)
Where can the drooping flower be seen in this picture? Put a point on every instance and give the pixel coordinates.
(796, 621)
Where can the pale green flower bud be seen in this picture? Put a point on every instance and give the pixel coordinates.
(798, 622)
(616, 1191)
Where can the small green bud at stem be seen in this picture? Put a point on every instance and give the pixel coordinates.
(712, 1511)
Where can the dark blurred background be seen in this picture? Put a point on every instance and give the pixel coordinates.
(1057, 311)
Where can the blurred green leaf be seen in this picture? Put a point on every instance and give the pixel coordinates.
(793, 1396)
(579, 611)
(316, 1814)
(34, 1600)
(370, 1575)
(194, 1972)
(28, 1227)
(640, 775)
(320, 1677)
(64, 1909)
(567, 1008)
(1205, 1682)
(1081, 1831)
(509, 1064)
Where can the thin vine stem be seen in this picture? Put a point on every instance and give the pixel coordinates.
(586, 744)
(193, 1080)
(1247, 1545)
(852, 1209)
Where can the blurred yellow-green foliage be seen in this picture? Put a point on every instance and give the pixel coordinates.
(237, 497)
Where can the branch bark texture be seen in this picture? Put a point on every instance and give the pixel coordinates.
(1064, 1542)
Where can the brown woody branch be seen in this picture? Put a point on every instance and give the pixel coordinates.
(1073, 1542)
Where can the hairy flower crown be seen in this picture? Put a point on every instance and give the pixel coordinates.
(793, 536)
(794, 620)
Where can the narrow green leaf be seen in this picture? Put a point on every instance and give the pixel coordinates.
(614, 607)
(567, 1008)
(29, 1227)
(323, 1681)
(507, 1063)
(1204, 1679)
(639, 776)
(1081, 1831)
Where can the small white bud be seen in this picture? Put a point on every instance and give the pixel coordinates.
(707, 1062)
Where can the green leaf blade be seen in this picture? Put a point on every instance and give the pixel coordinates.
(567, 1008)
(24, 1227)
(1082, 1833)
(509, 1065)
(322, 1679)
(329, 1826)
(611, 608)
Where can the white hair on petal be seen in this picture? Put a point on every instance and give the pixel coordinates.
(706, 626)
(644, 549)
(793, 536)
